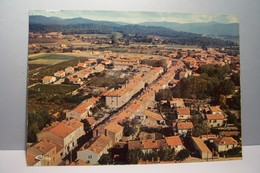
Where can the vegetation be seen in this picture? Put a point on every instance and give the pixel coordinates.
(36, 121)
(234, 152)
(210, 84)
(105, 159)
(182, 155)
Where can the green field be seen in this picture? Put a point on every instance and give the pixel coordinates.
(49, 59)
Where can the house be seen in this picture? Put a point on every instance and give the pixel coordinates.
(215, 120)
(114, 131)
(215, 110)
(183, 113)
(177, 103)
(59, 74)
(201, 148)
(83, 110)
(75, 80)
(48, 79)
(100, 68)
(69, 70)
(83, 74)
(153, 119)
(225, 143)
(82, 65)
(184, 127)
(92, 153)
(208, 137)
(175, 142)
(43, 153)
(147, 146)
(64, 134)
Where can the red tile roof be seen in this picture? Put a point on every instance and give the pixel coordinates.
(62, 130)
(225, 141)
(215, 116)
(183, 111)
(201, 145)
(173, 141)
(184, 125)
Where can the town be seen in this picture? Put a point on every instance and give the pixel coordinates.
(97, 99)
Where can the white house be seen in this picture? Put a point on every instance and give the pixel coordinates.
(92, 153)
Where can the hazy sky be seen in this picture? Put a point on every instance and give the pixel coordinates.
(138, 17)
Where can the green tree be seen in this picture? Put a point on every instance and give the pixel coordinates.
(163, 94)
(133, 156)
(105, 159)
(166, 154)
(87, 126)
(226, 87)
(182, 155)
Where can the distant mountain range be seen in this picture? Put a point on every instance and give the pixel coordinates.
(191, 34)
(207, 28)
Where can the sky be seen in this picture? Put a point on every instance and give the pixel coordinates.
(136, 17)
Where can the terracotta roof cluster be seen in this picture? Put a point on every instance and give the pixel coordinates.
(83, 107)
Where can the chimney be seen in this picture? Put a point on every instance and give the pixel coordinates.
(105, 132)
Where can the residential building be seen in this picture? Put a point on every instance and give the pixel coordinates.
(175, 142)
(44, 153)
(48, 79)
(183, 113)
(215, 110)
(183, 127)
(65, 134)
(225, 143)
(177, 103)
(153, 119)
(75, 80)
(201, 148)
(92, 153)
(215, 120)
(83, 110)
(59, 74)
(69, 70)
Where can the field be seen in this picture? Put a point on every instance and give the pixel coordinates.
(49, 59)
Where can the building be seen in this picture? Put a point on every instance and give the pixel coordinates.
(117, 98)
(215, 120)
(125, 63)
(153, 119)
(183, 128)
(215, 110)
(100, 68)
(175, 142)
(48, 79)
(75, 80)
(201, 148)
(59, 74)
(64, 134)
(83, 110)
(69, 70)
(225, 143)
(114, 131)
(147, 146)
(44, 153)
(183, 113)
(92, 153)
(177, 103)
